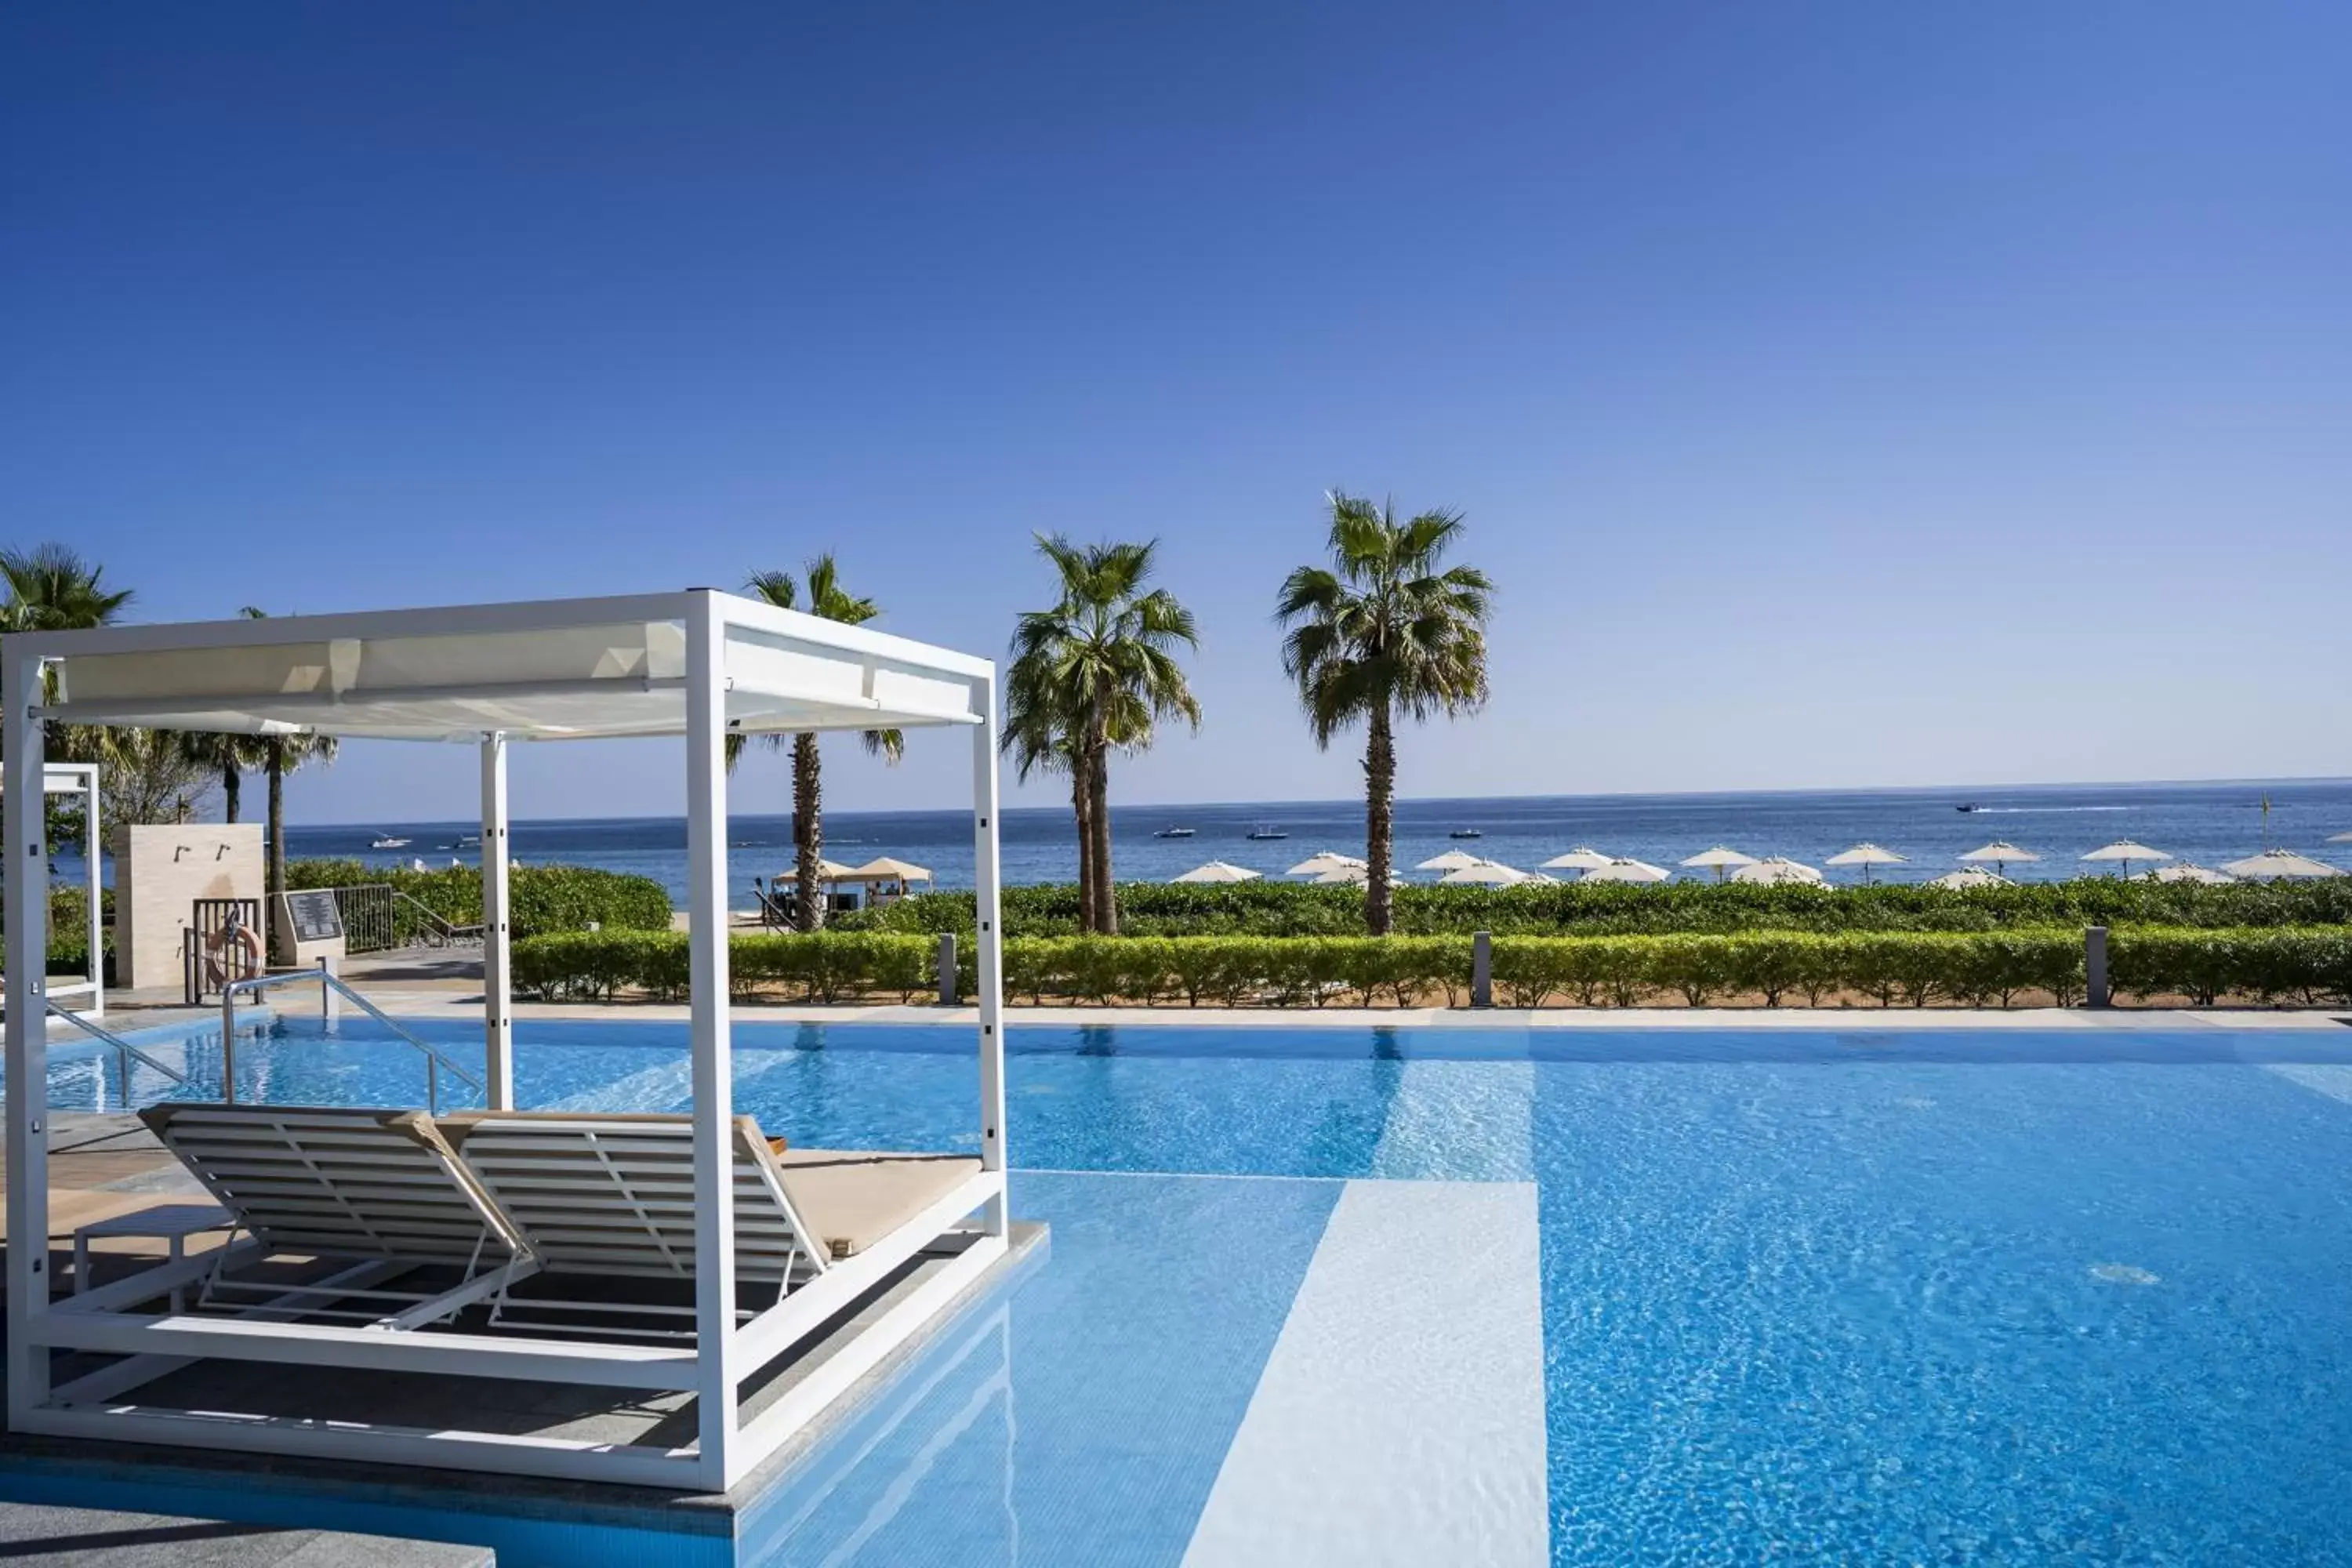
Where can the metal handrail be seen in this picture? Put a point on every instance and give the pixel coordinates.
(449, 932)
(433, 1060)
(125, 1052)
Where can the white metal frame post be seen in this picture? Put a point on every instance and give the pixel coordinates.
(96, 913)
(498, 989)
(23, 819)
(988, 953)
(713, 1070)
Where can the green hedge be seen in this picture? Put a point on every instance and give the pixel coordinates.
(1914, 969)
(1271, 908)
(540, 899)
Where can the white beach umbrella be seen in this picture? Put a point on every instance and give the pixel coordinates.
(1626, 869)
(1864, 856)
(1341, 876)
(2124, 850)
(2188, 871)
(1581, 859)
(2280, 864)
(1970, 876)
(1774, 869)
(1451, 860)
(1329, 860)
(1217, 871)
(1485, 874)
(2000, 852)
(1721, 859)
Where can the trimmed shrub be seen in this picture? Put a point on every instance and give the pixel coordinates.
(540, 899)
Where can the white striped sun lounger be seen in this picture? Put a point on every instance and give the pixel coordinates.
(335, 1183)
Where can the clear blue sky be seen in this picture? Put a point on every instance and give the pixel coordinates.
(1842, 394)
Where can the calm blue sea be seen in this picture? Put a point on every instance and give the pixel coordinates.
(2205, 822)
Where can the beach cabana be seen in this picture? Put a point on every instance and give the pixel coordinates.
(1218, 871)
(1864, 856)
(1999, 855)
(886, 879)
(1626, 868)
(2125, 851)
(77, 782)
(2281, 865)
(1721, 859)
(698, 664)
(1775, 870)
(1579, 858)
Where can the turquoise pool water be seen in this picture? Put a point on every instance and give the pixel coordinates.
(1872, 1295)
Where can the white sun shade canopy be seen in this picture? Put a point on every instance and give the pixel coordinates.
(1720, 856)
(1626, 869)
(1451, 860)
(2189, 871)
(2280, 863)
(2001, 852)
(1341, 876)
(1775, 869)
(1218, 871)
(1581, 859)
(1864, 855)
(555, 669)
(2125, 849)
(1326, 860)
(1970, 876)
(1490, 874)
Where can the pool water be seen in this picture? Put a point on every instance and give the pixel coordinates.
(1865, 1297)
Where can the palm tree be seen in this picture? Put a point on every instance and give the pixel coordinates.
(829, 601)
(52, 588)
(278, 755)
(1379, 634)
(1096, 672)
(230, 756)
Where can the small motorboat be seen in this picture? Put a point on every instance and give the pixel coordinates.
(387, 841)
(1174, 833)
(1971, 806)
(1266, 830)
(1466, 832)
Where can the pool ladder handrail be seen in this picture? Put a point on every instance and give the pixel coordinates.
(125, 1053)
(328, 980)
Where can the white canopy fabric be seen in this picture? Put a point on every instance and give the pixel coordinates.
(1970, 876)
(1774, 869)
(1581, 859)
(1341, 876)
(1218, 871)
(1487, 874)
(2281, 864)
(1865, 856)
(2124, 850)
(1326, 860)
(1722, 858)
(2001, 852)
(884, 867)
(1626, 869)
(1451, 860)
(2188, 871)
(552, 671)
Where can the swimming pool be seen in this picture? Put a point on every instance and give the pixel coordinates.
(1873, 1295)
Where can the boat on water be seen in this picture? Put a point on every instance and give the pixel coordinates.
(387, 841)
(1266, 830)
(1466, 832)
(1174, 833)
(1971, 805)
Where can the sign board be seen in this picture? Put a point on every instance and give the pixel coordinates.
(313, 916)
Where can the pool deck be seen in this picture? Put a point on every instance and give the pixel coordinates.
(74, 1537)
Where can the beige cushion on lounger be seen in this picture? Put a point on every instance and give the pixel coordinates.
(852, 1198)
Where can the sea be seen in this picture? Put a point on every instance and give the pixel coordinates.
(2208, 824)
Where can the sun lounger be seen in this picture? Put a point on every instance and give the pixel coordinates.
(345, 1184)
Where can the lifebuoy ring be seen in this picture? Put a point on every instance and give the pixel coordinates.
(237, 939)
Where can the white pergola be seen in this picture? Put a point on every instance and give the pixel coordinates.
(699, 663)
(77, 779)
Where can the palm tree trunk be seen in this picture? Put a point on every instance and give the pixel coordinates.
(1099, 851)
(1380, 817)
(277, 882)
(808, 834)
(232, 786)
(1082, 808)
